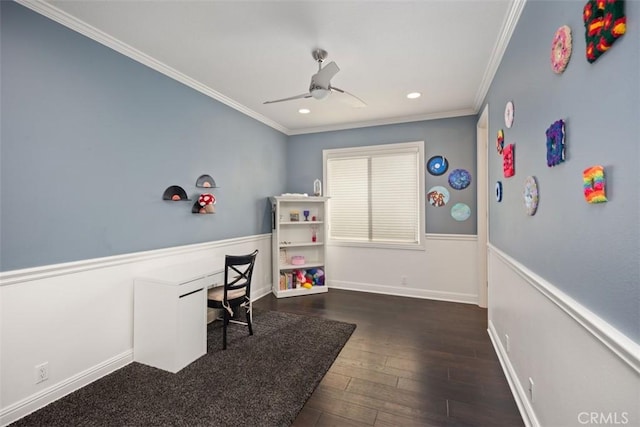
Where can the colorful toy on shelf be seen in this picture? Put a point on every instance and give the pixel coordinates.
(300, 276)
(315, 276)
(207, 202)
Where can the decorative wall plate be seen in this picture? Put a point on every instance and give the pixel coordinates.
(561, 49)
(508, 160)
(459, 179)
(500, 141)
(604, 22)
(555, 143)
(438, 196)
(530, 195)
(205, 181)
(460, 212)
(594, 184)
(509, 113)
(174, 193)
(498, 191)
(437, 165)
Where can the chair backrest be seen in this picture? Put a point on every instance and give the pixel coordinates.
(238, 270)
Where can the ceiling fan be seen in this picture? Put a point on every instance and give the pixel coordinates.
(320, 86)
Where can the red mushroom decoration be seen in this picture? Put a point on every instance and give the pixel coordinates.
(207, 200)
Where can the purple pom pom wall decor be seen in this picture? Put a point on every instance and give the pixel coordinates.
(555, 144)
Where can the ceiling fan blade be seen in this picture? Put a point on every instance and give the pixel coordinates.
(353, 100)
(323, 77)
(304, 95)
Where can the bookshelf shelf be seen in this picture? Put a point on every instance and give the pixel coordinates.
(303, 239)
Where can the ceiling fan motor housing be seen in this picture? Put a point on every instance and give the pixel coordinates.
(319, 55)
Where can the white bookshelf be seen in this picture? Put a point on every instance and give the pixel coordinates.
(295, 238)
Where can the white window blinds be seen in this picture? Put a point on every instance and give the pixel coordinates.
(375, 194)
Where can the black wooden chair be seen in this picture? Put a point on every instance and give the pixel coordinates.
(236, 292)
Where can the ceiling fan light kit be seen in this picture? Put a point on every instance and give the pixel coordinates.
(319, 93)
(320, 87)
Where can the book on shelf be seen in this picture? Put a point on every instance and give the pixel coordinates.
(288, 281)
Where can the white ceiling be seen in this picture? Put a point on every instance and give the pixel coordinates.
(244, 53)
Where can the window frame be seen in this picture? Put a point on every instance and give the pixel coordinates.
(372, 150)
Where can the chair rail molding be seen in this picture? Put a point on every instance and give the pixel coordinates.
(621, 345)
(46, 271)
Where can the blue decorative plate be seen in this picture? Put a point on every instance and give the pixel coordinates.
(499, 191)
(460, 212)
(437, 165)
(459, 179)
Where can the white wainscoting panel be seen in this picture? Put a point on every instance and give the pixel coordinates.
(78, 317)
(446, 270)
(584, 371)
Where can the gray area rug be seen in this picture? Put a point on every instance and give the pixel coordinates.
(260, 380)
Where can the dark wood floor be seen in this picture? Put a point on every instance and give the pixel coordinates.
(410, 362)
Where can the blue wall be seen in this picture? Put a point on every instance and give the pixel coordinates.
(90, 140)
(454, 138)
(591, 252)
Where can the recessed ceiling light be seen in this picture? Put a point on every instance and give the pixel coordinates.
(304, 111)
(414, 95)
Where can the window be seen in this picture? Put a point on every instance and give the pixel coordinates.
(377, 195)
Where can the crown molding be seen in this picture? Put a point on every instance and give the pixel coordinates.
(508, 26)
(382, 122)
(48, 10)
(73, 23)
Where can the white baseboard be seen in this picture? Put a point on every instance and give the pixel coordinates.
(51, 394)
(404, 291)
(519, 394)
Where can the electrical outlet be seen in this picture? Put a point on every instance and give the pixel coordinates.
(507, 343)
(531, 389)
(42, 372)
(403, 280)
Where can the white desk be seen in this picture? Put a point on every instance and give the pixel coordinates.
(170, 313)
